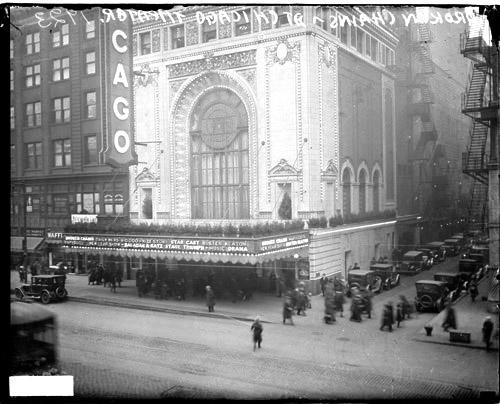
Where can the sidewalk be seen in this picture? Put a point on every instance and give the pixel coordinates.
(470, 317)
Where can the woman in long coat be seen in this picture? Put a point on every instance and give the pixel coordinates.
(210, 298)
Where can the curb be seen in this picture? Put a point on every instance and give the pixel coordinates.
(453, 344)
(162, 309)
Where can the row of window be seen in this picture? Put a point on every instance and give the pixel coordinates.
(355, 37)
(60, 37)
(60, 71)
(107, 198)
(61, 153)
(149, 41)
(60, 111)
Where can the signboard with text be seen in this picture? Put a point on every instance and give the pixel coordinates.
(118, 81)
(185, 244)
(83, 218)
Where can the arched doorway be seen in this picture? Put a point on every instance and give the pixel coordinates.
(362, 191)
(346, 192)
(376, 184)
(219, 157)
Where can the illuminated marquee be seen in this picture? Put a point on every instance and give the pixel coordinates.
(118, 138)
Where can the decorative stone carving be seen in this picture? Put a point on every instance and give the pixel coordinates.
(225, 30)
(174, 87)
(230, 61)
(249, 76)
(146, 76)
(192, 35)
(328, 54)
(165, 38)
(283, 170)
(283, 52)
(155, 40)
(146, 176)
(134, 45)
(330, 173)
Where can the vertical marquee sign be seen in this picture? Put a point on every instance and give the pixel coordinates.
(118, 137)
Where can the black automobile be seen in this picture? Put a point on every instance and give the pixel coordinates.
(453, 281)
(387, 273)
(438, 247)
(468, 267)
(414, 261)
(432, 256)
(44, 287)
(431, 295)
(452, 246)
(362, 279)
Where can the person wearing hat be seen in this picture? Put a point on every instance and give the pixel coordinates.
(210, 298)
(487, 331)
(257, 332)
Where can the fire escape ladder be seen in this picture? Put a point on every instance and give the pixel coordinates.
(478, 208)
(475, 157)
(473, 99)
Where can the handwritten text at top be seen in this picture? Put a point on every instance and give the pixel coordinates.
(52, 18)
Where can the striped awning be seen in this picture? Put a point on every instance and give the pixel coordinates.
(32, 243)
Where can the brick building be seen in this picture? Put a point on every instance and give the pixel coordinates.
(59, 125)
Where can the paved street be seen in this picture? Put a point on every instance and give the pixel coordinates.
(119, 351)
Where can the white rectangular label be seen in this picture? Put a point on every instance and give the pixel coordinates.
(36, 386)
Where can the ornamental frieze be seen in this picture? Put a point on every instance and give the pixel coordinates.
(146, 76)
(249, 76)
(327, 54)
(210, 62)
(283, 52)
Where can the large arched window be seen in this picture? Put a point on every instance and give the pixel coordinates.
(219, 153)
(346, 191)
(376, 184)
(362, 191)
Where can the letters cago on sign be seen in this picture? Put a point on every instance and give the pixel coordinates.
(119, 137)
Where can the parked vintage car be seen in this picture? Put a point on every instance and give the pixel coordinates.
(44, 287)
(387, 274)
(361, 279)
(414, 261)
(431, 295)
(437, 246)
(468, 267)
(453, 281)
(452, 246)
(432, 255)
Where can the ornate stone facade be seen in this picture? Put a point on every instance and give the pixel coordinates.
(210, 62)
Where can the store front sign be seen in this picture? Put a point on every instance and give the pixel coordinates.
(186, 245)
(83, 219)
(35, 232)
(287, 241)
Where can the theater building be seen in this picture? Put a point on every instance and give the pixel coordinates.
(246, 115)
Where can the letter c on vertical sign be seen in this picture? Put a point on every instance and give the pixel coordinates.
(116, 141)
(118, 48)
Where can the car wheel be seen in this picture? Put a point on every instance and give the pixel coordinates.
(426, 301)
(45, 297)
(19, 294)
(61, 292)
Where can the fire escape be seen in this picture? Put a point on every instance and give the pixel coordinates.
(420, 107)
(478, 103)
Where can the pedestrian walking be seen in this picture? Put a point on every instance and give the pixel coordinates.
(450, 320)
(387, 317)
(301, 303)
(339, 302)
(487, 331)
(210, 298)
(367, 299)
(288, 309)
(257, 329)
(399, 313)
(473, 289)
(139, 283)
(356, 307)
(329, 309)
(322, 283)
(406, 307)
(112, 282)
